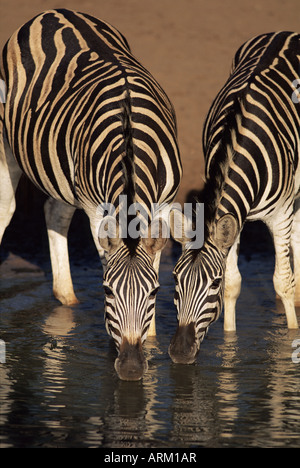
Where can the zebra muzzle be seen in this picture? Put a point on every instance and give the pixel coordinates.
(131, 363)
(183, 348)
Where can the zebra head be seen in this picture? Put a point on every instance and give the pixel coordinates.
(130, 284)
(199, 279)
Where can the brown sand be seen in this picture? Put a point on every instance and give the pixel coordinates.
(187, 45)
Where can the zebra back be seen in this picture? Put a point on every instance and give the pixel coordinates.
(251, 128)
(83, 109)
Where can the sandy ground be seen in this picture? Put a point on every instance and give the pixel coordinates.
(187, 45)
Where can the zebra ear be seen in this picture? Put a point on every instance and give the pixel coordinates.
(226, 231)
(157, 237)
(109, 234)
(178, 222)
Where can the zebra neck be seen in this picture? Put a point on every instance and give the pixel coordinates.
(230, 182)
(218, 199)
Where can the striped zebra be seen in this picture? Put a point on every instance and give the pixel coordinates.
(251, 145)
(90, 126)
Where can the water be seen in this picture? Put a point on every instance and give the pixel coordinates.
(59, 387)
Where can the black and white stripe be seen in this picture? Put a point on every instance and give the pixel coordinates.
(87, 123)
(251, 145)
(203, 293)
(68, 76)
(130, 301)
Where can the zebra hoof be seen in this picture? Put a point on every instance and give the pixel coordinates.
(68, 299)
(183, 348)
(131, 363)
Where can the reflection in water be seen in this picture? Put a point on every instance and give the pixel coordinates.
(57, 327)
(59, 388)
(5, 404)
(205, 406)
(284, 387)
(125, 423)
(228, 388)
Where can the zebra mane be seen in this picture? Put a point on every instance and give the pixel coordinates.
(218, 165)
(128, 159)
(128, 167)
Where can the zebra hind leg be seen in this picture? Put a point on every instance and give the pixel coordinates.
(58, 218)
(295, 242)
(10, 174)
(283, 279)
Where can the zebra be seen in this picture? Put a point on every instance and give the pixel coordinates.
(90, 126)
(251, 146)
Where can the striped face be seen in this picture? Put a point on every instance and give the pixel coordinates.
(130, 285)
(199, 280)
(199, 288)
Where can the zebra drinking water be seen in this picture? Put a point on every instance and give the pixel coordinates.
(251, 145)
(87, 123)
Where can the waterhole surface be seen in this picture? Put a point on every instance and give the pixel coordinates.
(59, 387)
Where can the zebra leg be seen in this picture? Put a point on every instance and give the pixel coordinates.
(58, 218)
(295, 242)
(94, 225)
(283, 279)
(233, 282)
(10, 174)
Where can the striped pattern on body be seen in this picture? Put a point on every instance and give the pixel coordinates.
(65, 108)
(252, 129)
(88, 123)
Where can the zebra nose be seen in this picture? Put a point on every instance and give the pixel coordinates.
(183, 347)
(131, 363)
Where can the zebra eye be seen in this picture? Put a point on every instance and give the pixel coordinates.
(153, 293)
(216, 283)
(108, 292)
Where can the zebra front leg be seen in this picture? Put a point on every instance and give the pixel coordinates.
(10, 174)
(58, 218)
(295, 242)
(232, 287)
(95, 222)
(283, 279)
